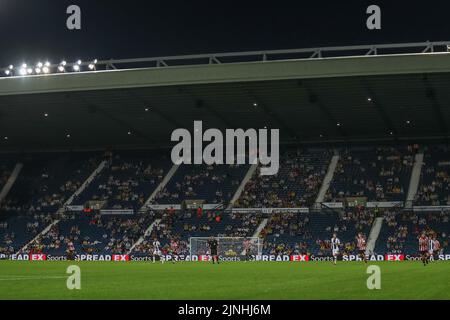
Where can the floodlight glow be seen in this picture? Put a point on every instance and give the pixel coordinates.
(79, 62)
(61, 69)
(39, 65)
(45, 70)
(24, 65)
(63, 63)
(95, 61)
(91, 66)
(7, 72)
(22, 71)
(11, 67)
(29, 71)
(37, 70)
(47, 64)
(76, 67)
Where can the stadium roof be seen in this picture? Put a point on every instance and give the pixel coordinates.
(313, 99)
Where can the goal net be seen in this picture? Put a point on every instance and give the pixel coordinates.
(228, 246)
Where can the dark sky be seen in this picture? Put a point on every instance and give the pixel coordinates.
(32, 30)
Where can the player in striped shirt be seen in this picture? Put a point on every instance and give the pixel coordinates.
(247, 249)
(361, 244)
(433, 247)
(335, 244)
(423, 248)
(174, 250)
(157, 250)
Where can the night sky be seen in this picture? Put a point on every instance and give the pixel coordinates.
(33, 30)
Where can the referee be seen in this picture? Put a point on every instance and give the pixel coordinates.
(213, 244)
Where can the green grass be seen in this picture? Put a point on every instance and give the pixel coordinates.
(232, 280)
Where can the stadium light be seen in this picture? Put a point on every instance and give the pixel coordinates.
(29, 70)
(63, 63)
(7, 72)
(46, 69)
(91, 66)
(76, 67)
(61, 68)
(47, 64)
(37, 70)
(11, 67)
(79, 62)
(39, 65)
(22, 71)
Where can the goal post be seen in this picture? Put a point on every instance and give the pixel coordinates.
(227, 246)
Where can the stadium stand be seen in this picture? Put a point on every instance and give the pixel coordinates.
(434, 188)
(296, 185)
(129, 177)
(46, 182)
(212, 184)
(127, 181)
(93, 233)
(378, 173)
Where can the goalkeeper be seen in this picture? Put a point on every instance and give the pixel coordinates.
(213, 244)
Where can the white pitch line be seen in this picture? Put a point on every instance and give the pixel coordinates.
(18, 278)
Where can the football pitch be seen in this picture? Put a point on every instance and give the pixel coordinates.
(232, 280)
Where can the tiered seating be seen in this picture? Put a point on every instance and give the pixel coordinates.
(213, 184)
(380, 174)
(17, 231)
(45, 183)
(296, 185)
(216, 224)
(400, 231)
(127, 181)
(311, 233)
(434, 188)
(94, 234)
